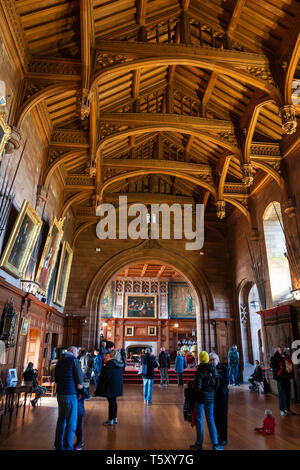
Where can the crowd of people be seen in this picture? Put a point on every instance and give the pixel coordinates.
(208, 392)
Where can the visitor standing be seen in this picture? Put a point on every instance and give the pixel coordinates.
(68, 378)
(97, 366)
(282, 368)
(180, 365)
(150, 362)
(205, 383)
(221, 400)
(233, 365)
(164, 365)
(111, 385)
(81, 396)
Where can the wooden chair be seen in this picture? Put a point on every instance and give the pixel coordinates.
(48, 382)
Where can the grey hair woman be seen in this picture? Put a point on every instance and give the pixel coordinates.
(221, 400)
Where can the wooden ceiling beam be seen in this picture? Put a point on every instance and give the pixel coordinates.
(238, 65)
(162, 171)
(193, 122)
(161, 271)
(290, 72)
(235, 16)
(138, 49)
(87, 39)
(223, 166)
(248, 123)
(138, 163)
(148, 198)
(144, 269)
(141, 11)
(14, 38)
(208, 92)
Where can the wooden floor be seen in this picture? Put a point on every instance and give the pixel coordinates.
(160, 427)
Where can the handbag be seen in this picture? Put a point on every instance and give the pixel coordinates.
(142, 369)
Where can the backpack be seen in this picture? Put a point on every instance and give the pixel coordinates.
(188, 405)
(210, 380)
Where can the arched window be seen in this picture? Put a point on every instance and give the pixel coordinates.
(279, 271)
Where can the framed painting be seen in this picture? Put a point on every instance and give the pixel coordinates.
(21, 242)
(49, 255)
(129, 330)
(182, 303)
(63, 275)
(4, 134)
(151, 330)
(140, 306)
(25, 327)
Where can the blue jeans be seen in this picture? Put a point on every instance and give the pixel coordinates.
(209, 414)
(148, 389)
(234, 375)
(66, 422)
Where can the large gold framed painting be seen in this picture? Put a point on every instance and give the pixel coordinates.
(63, 274)
(49, 255)
(21, 242)
(140, 306)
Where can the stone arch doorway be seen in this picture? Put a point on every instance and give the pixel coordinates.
(250, 327)
(150, 251)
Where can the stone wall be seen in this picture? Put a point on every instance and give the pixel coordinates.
(213, 265)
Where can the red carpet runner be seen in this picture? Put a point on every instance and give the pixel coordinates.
(131, 376)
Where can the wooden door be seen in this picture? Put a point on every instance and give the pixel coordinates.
(33, 347)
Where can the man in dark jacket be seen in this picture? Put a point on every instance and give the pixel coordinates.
(206, 382)
(68, 378)
(111, 385)
(98, 362)
(281, 366)
(151, 363)
(221, 399)
(164, 366)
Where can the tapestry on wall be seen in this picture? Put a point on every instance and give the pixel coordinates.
(181, 301)
(107, 301)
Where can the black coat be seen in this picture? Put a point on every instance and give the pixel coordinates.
(151, 364)
(111, 380)
(257, 374)
(276, 362)
(206, 381)
(164, 360)
(222, 389)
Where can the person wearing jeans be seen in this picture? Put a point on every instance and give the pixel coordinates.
(209, 414)
(149, 361)
(180, 365)
(148, 389)
(164, 365)
(205, 383)
(68, 378)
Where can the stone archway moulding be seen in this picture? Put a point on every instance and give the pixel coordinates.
(145, 252)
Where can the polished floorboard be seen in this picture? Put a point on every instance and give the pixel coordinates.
(159, 427)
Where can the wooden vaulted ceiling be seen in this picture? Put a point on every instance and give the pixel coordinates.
(182, 114)
(152, 270)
